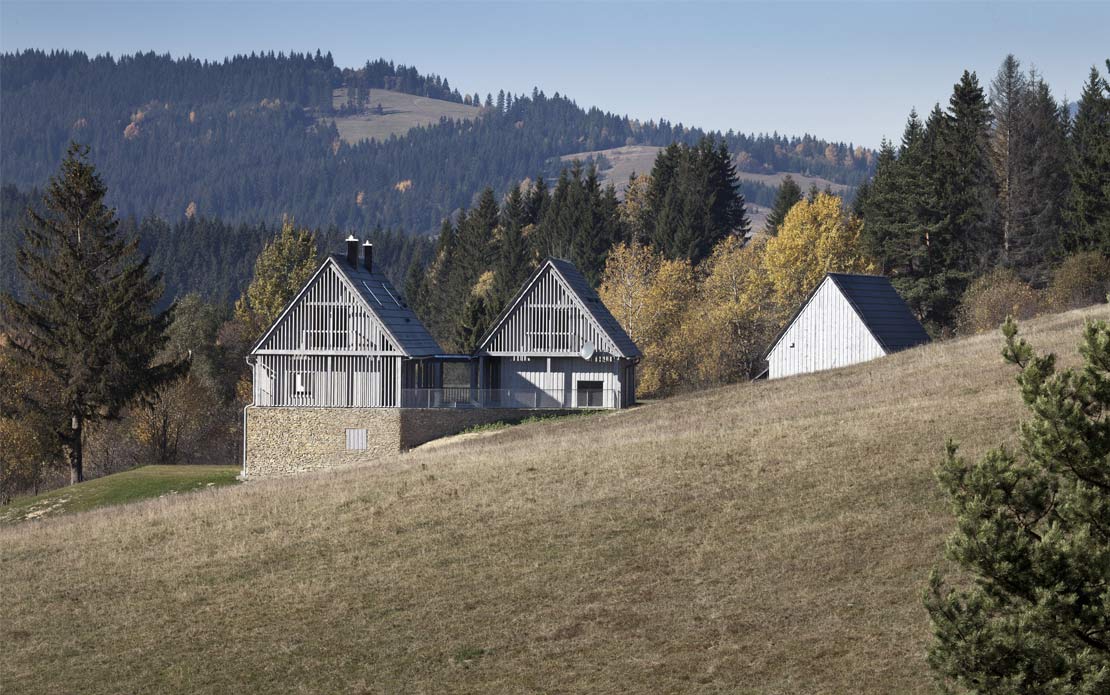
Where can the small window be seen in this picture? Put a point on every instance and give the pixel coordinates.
(356, 439)
(302, 384)
(590, 394)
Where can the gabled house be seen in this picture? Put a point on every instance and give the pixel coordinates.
(348, 373)
(347, 340)
(556, 345)
(847, 319)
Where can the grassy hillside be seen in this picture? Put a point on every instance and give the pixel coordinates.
(120, 488)
(767, 538)
(400, 114)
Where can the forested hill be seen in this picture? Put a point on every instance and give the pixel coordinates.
(253, 138)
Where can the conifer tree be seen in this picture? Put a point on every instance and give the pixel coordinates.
(789, 194)
(1009, 108)
(1033, 531)
(967, 194)
(514, 263)
(89, 316)
(1088, 206)
(694, 200)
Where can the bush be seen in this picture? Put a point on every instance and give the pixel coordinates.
(1081, 280)
(993, 297)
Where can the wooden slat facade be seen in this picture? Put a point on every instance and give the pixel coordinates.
(549, 321)
(328, 350)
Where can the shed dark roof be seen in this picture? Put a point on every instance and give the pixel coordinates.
(883, 311)
(400, 321)
(878, 305)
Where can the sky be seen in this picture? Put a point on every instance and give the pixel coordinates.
(838, 70)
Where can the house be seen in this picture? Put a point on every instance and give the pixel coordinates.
(556, 345)
(348, 373)
(847, 319)
(347, 340)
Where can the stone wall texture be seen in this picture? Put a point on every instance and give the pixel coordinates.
(285, 441)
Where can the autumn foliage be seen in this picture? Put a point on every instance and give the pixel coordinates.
(711, 323)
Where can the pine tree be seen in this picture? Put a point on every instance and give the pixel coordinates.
(1009, 108)
(694, 200)
(1035, 243)
(1088, 205)
(514, 262)
(789, 194)
(89, 317)
(1033, 531)
(967, 192)
(1028, 152)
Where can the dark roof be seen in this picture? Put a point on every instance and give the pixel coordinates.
(878, 305)
(399, 320)
(577, 284)
(883, 310)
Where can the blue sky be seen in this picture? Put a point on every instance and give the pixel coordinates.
(844, 71)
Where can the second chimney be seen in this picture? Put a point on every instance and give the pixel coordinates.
(352, 251)
(368, 255)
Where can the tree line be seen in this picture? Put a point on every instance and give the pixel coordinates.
(251, 139)
(206, 256)
(689, 202)
(1000, 180)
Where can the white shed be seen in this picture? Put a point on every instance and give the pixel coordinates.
(846, 320)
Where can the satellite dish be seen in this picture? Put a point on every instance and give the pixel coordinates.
(587, 350)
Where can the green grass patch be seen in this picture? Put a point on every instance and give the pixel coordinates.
(502, 424)
(120, 488)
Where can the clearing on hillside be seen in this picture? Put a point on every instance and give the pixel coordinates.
(400, 113)
(119, 488)
(766, 538)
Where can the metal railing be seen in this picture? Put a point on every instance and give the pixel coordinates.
(527, 398)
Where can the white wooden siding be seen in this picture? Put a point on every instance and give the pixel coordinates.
(547, 321)
(328, 350)
(371, 381)
(531, 376)
(328, 318)
(828, 333)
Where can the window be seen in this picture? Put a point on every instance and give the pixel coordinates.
(356, 439)
(590, 394)
(302, 384)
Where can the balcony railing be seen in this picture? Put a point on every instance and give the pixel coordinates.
(528, 398)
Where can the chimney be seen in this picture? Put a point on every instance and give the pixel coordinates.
(352, 251)
(368, 255)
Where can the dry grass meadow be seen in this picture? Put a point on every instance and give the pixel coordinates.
(767, 538)
(401, 113)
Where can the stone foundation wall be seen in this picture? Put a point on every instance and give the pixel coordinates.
(286, 441)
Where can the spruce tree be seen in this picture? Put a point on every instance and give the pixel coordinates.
(1010, 109)
(89, 315)
(1088, 205)
(694, 200)
(1033, 533)
(514, 262)
(789, 194)
(967, 192)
